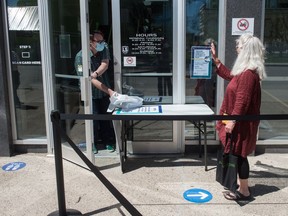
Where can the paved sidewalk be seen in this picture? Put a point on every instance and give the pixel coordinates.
(155, 186)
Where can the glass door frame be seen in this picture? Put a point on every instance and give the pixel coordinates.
(49, 85)
(85, 80)
(27, 141)
(178, 142)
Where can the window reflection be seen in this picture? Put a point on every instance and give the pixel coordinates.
(24, 39)
(274, 87)
(146, 36)
(201, 29)
(276, 31)
(146, 45)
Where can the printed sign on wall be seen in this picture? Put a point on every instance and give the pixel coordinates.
(129, 61)
(242, 26)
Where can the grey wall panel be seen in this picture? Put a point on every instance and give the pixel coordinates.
(241, 9)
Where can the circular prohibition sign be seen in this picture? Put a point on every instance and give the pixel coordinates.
(129, 60)
(243, 24)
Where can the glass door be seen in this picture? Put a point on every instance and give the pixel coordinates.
(145, 65)
(70, 84)
(201, 30)
(26, 72)
(75, 27)
(69, 33)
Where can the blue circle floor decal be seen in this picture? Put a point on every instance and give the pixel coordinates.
(13, 166)
(197, 195)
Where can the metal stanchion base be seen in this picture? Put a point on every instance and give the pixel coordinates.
(68, 212)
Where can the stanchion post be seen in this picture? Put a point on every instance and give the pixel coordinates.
(55, 118)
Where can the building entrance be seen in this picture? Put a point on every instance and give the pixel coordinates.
(73, 52)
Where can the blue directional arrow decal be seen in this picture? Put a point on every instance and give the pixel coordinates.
(197, 195)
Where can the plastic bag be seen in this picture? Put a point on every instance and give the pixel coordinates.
(125, 102)
(131, 91)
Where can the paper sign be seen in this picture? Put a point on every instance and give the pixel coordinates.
(129, 61)
(142, 110)
(201, 64)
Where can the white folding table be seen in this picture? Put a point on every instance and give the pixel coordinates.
(173, 111)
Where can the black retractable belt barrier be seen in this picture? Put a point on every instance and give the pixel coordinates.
(175, 117)
(57, 130)
(55, 118)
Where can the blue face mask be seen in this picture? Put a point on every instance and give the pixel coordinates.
(100, 46)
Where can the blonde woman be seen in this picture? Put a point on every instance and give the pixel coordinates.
(242, 97)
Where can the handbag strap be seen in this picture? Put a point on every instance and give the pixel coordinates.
(230, 135)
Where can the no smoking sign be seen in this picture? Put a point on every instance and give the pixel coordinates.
(129, 61)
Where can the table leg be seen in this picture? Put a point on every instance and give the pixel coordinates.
(126, 129)
(120, 138)
(205, 146)
(123, 148)
(199, 139)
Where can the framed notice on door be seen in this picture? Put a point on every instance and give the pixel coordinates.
(201, 62)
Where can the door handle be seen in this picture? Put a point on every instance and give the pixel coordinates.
(84, 83)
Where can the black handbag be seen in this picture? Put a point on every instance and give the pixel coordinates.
(227, 167)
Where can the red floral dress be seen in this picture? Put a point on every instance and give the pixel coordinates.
(242, 97)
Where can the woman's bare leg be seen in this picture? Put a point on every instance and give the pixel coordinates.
(243, 187)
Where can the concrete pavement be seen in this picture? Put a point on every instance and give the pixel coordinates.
(155, 186)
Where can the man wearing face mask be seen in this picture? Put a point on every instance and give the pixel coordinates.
(100, 57)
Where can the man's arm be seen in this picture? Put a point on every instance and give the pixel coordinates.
(101, 69)
(102, 87)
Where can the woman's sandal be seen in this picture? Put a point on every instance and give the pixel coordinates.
(237, 196)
